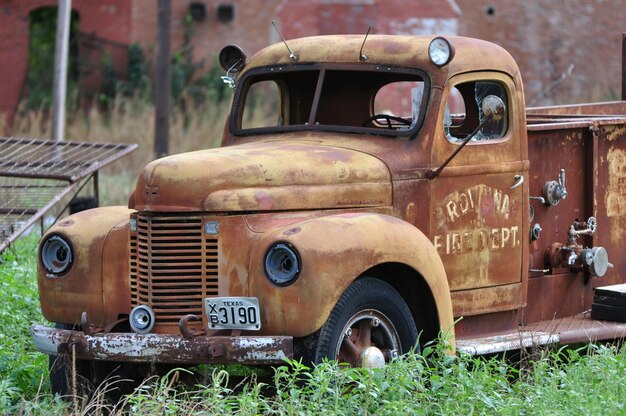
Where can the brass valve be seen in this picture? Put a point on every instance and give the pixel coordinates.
(574, 255)
(588, 227)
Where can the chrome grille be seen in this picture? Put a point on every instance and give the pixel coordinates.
(173, 266)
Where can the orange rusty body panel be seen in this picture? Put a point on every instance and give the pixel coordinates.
(262, 176)
(360, 241)
(64, 298)
(115, 271)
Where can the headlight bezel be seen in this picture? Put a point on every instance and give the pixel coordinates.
(49, 250)
(278, 255)
(142, 319)
(440, 51)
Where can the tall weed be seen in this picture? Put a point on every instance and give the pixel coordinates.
(22, 368)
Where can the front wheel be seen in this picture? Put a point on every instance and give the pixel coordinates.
(368, 327)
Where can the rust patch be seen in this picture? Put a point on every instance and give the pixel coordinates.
(343, 171)
(264, 200)
(616, 194)
(614, 131)
(410, 213)
(292, 231)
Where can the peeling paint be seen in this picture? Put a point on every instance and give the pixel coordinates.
(163, 348)
(614, 132)
(264, 356)
(255, 342)
(516, 341)
(616, 194)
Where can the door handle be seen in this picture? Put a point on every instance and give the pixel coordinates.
(519, 179)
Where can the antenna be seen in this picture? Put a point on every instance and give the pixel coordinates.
(292, 55)
(362, 56)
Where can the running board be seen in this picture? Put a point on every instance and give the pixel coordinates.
(575, 329)
(507, 342)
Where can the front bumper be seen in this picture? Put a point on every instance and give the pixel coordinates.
(163, 348)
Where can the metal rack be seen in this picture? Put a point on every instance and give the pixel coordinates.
(37, 175)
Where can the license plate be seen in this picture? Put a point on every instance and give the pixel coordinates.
(233, 313)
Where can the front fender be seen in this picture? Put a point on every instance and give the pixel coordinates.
(63, 299)
(334, 251)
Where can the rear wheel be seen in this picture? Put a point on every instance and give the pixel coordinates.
(369, 326)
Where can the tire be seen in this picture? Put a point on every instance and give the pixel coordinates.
(370, 318)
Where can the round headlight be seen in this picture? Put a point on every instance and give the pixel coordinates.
(282, 264)
(141, 319)
(440, 51)
(56, 255)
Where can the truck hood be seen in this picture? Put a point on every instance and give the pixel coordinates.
(263, 176)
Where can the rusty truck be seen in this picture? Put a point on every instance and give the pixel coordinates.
(370, 194)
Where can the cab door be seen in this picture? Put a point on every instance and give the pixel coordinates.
(478, 200)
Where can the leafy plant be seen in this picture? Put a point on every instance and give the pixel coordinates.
(42, 35)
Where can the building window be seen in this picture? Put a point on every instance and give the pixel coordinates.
(225, 13)
(197, 11)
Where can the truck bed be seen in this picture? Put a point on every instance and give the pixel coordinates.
(589, 142)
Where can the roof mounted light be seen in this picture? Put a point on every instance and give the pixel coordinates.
(440, 51)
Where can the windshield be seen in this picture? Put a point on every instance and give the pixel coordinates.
(374, 99)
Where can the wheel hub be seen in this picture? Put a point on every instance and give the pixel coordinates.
(369, 339)
(372, 357)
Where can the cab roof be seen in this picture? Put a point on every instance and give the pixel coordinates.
(396, 50)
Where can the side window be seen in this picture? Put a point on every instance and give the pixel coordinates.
(262, 106)
(463, 113)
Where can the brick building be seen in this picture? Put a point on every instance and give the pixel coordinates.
(548, 38)
(106, 27)
(15, 25)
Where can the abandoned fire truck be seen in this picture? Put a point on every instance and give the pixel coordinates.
(399, 185)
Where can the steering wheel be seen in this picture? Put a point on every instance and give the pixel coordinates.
(387, 118)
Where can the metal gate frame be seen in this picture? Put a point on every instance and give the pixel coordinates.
(36, 175)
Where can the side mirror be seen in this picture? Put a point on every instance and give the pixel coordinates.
(492, 108)
(232, 58)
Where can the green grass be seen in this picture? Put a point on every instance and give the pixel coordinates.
(591, 380)
(20, 366)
